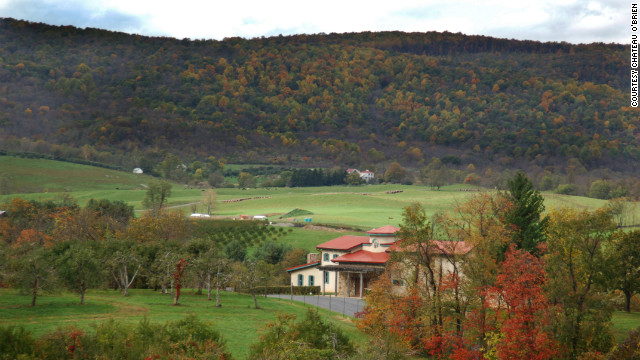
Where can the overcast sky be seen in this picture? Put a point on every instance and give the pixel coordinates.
(545, 20)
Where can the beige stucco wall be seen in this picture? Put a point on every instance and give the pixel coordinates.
(380, 241)
(404, 274)
(332, 255)
(306, 272)
(318, 278)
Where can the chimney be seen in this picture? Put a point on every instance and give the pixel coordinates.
(313, 257)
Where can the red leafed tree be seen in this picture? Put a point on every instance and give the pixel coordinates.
(520, 286)
(394, 320)
(177, 276)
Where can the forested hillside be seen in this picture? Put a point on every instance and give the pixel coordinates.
(357, 99)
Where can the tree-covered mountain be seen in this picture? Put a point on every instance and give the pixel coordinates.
(348, 99)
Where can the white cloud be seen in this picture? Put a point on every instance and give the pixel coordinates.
(559, 20)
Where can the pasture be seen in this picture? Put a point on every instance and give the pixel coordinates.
(358, 207)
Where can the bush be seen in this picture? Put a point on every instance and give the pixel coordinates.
(629, 348)
(600, 189)
(567, 189)
(187, 338)
(276, 290)
(311, 338)
(15, 343)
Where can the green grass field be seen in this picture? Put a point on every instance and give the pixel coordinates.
(238, 322)
(309, 238)
(49, 176)
(624, 322)
(361, 207)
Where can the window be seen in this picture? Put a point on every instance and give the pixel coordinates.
(326, 277)
(335, 256)
(300, 280)
(398, 282)
(310, 280)
(326, 257)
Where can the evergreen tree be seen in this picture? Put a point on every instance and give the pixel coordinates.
(525, 217)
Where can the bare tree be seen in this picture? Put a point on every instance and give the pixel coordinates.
(248, 275)
(209, 200)
(123, 262)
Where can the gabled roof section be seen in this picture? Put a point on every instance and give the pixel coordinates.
(312, 264)
(453, 247)
(439, 247)
(363, 257)
(385, 230)
(344, 243)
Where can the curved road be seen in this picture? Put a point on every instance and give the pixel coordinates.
(346, 306)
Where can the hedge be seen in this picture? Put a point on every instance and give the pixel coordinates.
(276, 290)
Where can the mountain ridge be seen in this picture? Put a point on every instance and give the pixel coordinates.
(357, 99)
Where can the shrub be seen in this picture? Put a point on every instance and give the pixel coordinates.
(311, 338)
(567, 189)
(15, 343)
(600, 189)
(187, 338)
(275, 290)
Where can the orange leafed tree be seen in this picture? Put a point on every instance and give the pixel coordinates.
(520, 286)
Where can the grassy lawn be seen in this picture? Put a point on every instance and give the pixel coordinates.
(308, 239)
(624, 322)
(238, 322)
(47, 176)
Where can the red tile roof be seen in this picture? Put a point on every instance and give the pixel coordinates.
(363, 256)
(385, 230)
(303, 266)
(440, 247)
(344, 243)
(453, 247)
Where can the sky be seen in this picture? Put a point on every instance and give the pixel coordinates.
(574, 21)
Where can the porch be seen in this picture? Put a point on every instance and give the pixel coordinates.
(352, 280)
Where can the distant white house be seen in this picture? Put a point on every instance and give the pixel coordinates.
(259, 217)
(137, 171)
(196, 215)
(367, 176)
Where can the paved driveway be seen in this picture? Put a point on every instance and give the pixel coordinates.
(346, 306)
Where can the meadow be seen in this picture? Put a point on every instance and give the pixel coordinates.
(358, 207)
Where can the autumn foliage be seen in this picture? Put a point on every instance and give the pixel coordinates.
(490, 304)
(524, 331)
(338, 98)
